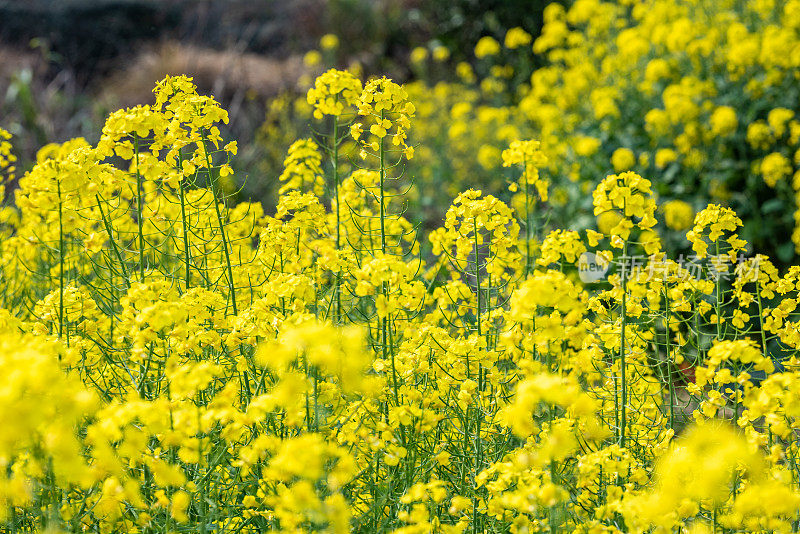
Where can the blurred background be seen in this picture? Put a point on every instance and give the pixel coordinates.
(64, 64)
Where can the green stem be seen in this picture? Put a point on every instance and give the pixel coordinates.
(335, 164)
(478, 415)
(669, 369)
(184, 224)
(718, 300)
(60, 262)
(623, 378)
(382, 156)
(214, 184)
(112, 241)
(139, 208)
(528, 232)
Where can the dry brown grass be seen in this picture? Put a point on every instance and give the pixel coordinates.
(228, 75)
(13, 60)
(57, 107)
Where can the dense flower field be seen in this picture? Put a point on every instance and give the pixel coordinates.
(174, 361)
